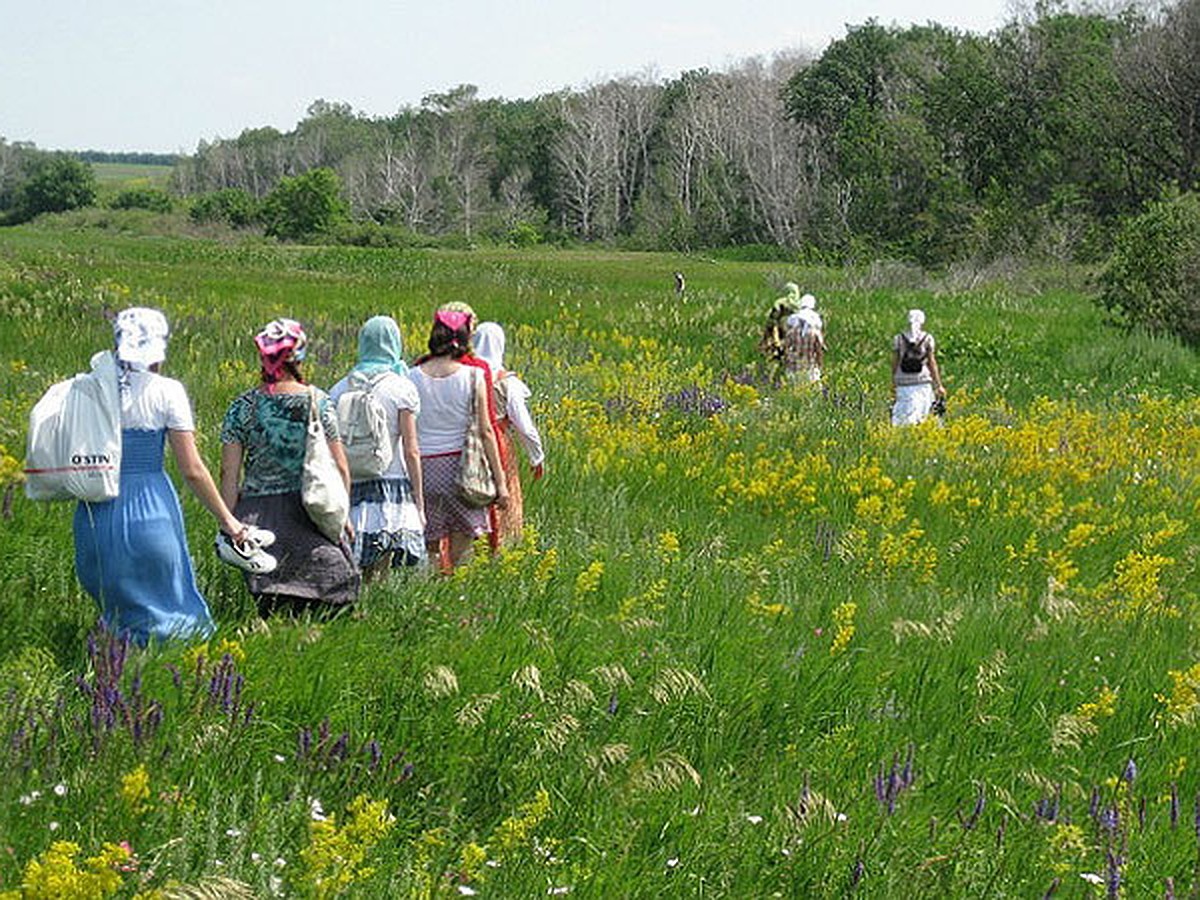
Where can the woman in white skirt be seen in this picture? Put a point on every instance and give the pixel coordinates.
(916, 379)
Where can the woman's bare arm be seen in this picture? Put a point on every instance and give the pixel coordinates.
(412, 458)
(196, 474)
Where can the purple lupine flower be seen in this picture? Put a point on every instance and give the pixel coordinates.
(856, 874)
(613, 704)
(1094, 803)
(1196, 817)
(1174, 806)
(305, 742)
(1113, 877)
(1142, 813)
(176, 677)
(1110, 820)
(1169, 889)
(375, 753)
(1130, 773)
(909, 775)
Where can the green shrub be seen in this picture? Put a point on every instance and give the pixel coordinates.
(153, 199)
(233, 206)
(1153, 276)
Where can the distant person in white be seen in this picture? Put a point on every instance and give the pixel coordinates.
(916, 379)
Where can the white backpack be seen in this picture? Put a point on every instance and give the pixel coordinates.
(74, 447)
(363, 424)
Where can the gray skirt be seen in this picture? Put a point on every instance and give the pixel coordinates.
(311, 567)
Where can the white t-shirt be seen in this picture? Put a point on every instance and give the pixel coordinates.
(395, 393)
(152, 402)
(445, 409)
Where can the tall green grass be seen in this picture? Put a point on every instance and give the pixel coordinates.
(721, 631)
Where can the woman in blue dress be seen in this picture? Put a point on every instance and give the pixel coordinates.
(131, 553)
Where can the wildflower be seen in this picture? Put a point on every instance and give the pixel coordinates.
(843, 620)
(1092, 878)
(335, 856)
(1130, 773)
(135, 790)
(60, 790)
(466, 890)
(754, 820)
(672, 862)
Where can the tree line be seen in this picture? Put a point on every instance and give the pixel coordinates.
(920, 142)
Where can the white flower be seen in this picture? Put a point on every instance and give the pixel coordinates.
(26, 799)
(255, 857)
(280, 862)
(466, 890)
(232, 832)
(565, 889)
(53, 826)
(279, 757)
(842, 817)
(1091, 877)
(754, 820)
(492, 863)
(316, 810)
(219, 863)
(672, 862)
(60, 790)
(694, 811)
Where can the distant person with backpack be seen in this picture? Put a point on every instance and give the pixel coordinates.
(804, 343)
(377, 406)
(512, 410)
(771, 344)
(263, 439)
(131, 552)
(916, 378)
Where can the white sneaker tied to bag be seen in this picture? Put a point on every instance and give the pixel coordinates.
(248, 554)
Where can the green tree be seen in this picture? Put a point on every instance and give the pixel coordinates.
(305, 206)
(54, 183)
(1153, 276)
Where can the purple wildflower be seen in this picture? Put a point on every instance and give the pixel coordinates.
(1113, 878)
(1131, 771)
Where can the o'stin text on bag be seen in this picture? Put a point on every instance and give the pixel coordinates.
(86, 459)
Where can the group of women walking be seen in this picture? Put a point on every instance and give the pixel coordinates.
(794, 342)
(132, 554)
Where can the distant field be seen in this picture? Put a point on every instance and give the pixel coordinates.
(117, 174)
(758, 643)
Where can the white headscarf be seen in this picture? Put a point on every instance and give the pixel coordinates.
(916, 319)
(489, 345)
(141, 337)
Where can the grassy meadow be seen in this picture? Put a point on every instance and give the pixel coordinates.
(756, 642)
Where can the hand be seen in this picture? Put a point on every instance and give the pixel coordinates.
(538, 471)
(349, 531)
(236, 531)
(502, 499)
(941, 390)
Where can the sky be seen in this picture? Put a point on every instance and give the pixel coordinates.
(163, 75)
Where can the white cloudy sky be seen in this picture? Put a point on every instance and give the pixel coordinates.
(162, 75)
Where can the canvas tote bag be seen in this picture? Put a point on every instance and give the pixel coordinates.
(476, 485)
(322, 490)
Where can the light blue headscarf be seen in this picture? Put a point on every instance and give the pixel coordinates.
(380, 347)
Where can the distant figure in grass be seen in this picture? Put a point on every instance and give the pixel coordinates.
(512, 412)
(451, 391)
(771, 344)
(916, 378)
(680, 284)
(131, 552)
(804, 343)
(386, 507)
(262, 459)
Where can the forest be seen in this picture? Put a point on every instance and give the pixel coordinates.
(918, 143)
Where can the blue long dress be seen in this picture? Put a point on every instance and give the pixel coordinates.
(131, 552)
